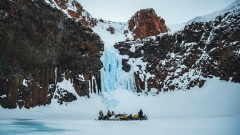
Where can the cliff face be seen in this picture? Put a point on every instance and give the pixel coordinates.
(39, 47)
(74, 10)
(185, 59)
(146, 23)
(142, 24)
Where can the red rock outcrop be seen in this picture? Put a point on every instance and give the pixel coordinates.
(146, 23)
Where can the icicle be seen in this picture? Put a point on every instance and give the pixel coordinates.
(55, 75)
(89, 86)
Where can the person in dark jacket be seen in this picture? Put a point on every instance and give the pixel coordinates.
(140, 114)
(100, 115)
(109, 113)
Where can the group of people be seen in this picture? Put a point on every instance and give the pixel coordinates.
(109, 114)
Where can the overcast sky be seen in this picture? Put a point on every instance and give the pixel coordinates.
(173, 11)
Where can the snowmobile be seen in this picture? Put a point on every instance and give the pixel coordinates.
(126, 117)
(101, 118)
(106, 117)
(114, 118)
(136, 117)
(144, 117)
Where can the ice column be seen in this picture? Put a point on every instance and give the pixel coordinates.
(112, 75)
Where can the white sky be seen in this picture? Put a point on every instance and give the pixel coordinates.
(173, 11)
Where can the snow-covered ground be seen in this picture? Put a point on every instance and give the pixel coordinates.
(191, 126)
(211, 110)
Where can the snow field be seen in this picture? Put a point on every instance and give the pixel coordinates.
(216, 99)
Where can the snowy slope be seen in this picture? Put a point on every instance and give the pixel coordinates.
(107, 37)
(217, 98)
(205, 18)
(175, 27)
(210, 17)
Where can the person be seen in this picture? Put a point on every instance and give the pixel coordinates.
(112, 113)
(109, 113)
(140, 114)
(100, 115)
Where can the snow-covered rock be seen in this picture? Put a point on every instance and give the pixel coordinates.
(182, 60)
(211, 17)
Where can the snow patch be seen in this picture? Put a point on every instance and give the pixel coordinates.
(175, 27)
(4, 96)
(25, 82)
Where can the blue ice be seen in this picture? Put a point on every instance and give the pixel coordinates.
(112, 75)
(26, 126)
(112, 70)
(111, 104)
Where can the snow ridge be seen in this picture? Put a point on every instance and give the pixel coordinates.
(210, 17)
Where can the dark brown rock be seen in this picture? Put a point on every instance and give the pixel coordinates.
(125, 32)
(38, 46)
(64, 96)
(111, 30)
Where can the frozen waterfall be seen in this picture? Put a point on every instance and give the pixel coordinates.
(112, 75)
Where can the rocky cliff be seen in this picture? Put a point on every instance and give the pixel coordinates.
(40, 46)
(145, 23)
(73, 9)
(185, 59)
(142, 24)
